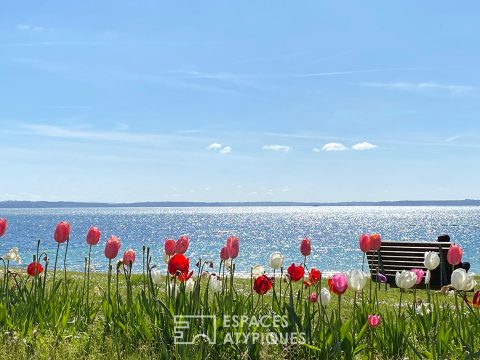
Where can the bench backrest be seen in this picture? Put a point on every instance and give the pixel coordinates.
(396, 256)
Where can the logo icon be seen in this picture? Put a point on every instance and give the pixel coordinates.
(183, 325)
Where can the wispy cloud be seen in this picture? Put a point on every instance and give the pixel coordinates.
(453, 138)
(334, 147)
(226, 150)
(27, 27)
(277, 148)
(364, 146)
(425, 87)
(214, 146)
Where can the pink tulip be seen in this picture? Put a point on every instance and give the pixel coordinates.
(182, 244)
(376, 241)
(313, 297)
(305, 247)
(374, 320)
(170, 247)
(62, 232)
(420, 273)
(224, 253)
(112, 247)
(454, 255)
(233, 246)
(365, 243)
(3, 226)
(338, 283)
(93, 236)
(129, 257)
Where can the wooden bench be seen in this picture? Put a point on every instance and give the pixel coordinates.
(396, 256)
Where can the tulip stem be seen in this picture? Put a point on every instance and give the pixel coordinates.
(55, 267)
(65, 263)
(88, 276)
(109, 278)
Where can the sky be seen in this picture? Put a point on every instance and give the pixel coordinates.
(124, 101)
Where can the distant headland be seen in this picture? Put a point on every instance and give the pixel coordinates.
(73, 204)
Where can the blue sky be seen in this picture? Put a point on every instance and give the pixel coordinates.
(239, 101)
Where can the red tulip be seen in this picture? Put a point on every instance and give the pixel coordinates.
(34, 268)
(262, 284)
(233, 246)
(365, 243)
(129, 257)
(338, 284)
(93, 236)
(62, 232)
(476, 299)
(182, 245)
(170, 247)
(313, 297)
(374, 321)
(224, 253)
(305, 247)
(3, 226)
(295, 272)
(454, 255)
(112, 247)
(376, 241)
(178, 265)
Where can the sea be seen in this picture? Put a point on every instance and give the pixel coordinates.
(333, 232)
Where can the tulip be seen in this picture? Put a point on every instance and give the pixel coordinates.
(324, 297)
(463, 281)
(419, 274)
(93, 236)
(365, 243)
(12, 255)
(156, 276)
(169, 246)
(62, 232)
(454, 255)
(112, 247)
(476, 299)
(374, 321)
(262, 284)
(224, 253)
(34, 268)
(295, 272)
(215, 284)
(314, 276)
(233, 245)
(305, 247)
(3, 226)
(356, 280)
(178, 265)
(382, 278)
(376, 241)
(406, 279)
(432, 260)
(189, 285)
(338, 283)
(428, 275)
(276, 260)
(228, 263)
(129, 257)
(257, 271)
(313, 298)
(181, 245)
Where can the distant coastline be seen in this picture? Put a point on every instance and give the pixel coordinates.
(74, 204)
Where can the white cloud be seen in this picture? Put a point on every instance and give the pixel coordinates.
(215, 146)
(226, 150)
(426, 87)
(364, 146)
(453, 138)
(26, 27)
(334, 147)
(278, 148)
(316, 150)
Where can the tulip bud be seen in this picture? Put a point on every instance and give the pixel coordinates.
(62, 232)
(454, 255)
(112, 247)
(427, 277)
(3, 226)
(419, 274)
(233, 245)
(324, 297)
(313, 298)
(463, 281)
(374, 321)
(156, 276)
(276, 260)
(305, 247)
(376, 241)
(169, 247)
(432, 260)
(365, 243)
(257, 271)
(181, 245)
(129, 257)
(356, 280)
(93, 236)
(224, 253)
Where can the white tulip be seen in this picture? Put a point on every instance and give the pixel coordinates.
(432, 260)
(13, 255)
(406, 279)
(462, 281)
(215, 284)
(156, 276)
(166, 258)
(356, 280)
(257, 271)
(324, 297)
(428, 275)
(276, 260)
(189, 285)
(227, 263)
